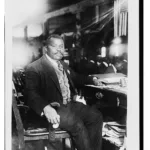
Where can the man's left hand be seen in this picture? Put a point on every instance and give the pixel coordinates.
(97, 82)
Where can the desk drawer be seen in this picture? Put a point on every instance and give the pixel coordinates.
(93, 95)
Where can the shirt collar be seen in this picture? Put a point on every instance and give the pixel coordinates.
(54, 63)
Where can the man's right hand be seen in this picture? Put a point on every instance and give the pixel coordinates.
(51, 114)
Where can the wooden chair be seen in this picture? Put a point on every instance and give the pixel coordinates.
(33, 133)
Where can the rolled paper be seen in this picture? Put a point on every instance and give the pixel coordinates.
(117, 16)
(120, 25)
(123, 23)
(126, 23)
(115, 32)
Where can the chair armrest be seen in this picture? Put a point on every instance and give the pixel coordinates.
(36, 132)
(19, 124)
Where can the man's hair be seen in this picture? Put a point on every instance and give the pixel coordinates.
(56, 36)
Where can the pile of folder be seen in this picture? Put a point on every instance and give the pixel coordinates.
(114, 133)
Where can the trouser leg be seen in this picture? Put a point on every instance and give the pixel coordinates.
(34, 145)
(93, 122)
(72, 123)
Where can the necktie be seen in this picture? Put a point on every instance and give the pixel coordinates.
(63, 81)
(60, 67)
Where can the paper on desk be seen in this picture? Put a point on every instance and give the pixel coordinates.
(117, 141)
(80, 99)
(114, 123)
(110, 78)
(109, 75)
(117, 129)
(113, 136)
(113, 80)
(113, 130)
(112, 133)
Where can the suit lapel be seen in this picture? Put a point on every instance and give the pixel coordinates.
(50, 72)
(69, 78)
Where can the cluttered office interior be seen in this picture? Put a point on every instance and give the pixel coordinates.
(95, 36)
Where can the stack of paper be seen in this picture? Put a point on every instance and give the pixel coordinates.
(117, 141)
(114, 132)
(110, 78)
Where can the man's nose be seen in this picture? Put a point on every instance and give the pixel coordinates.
(60, 49)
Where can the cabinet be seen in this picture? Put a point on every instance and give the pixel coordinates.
(113, 106)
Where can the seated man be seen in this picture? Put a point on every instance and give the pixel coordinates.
(50, 80)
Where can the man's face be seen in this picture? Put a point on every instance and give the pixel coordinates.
(55, 49)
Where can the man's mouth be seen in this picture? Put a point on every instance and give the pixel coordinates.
(60, 54)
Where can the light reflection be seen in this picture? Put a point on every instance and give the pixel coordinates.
(23, 53)
(103, 52)
(25, 9)
(117, 47)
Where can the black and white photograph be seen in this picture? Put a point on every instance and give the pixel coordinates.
(69, 75)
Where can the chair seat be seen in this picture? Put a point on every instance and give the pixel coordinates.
(36, 127)
(31, 127)
(42, 131)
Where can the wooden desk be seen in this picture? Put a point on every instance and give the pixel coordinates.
(114, 88)
(111, 81)
(112, 95)
(111, 91)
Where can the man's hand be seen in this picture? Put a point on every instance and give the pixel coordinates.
(51, 115)
(97, 82)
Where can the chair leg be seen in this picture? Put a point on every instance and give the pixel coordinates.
(63, 143)
(71, 144)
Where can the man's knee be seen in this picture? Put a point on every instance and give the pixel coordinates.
(71, 122)
(75, 123)
(98, 117)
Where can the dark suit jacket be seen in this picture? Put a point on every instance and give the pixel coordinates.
(42, 85)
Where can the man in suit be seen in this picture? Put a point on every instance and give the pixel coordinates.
(49, 81)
